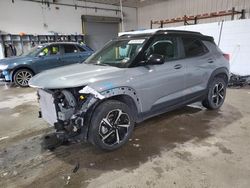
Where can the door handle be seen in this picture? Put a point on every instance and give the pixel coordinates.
(210, 61)
(178, 66)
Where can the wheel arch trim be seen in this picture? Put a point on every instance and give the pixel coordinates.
(123, 91)
(217, 72)
(117, 93)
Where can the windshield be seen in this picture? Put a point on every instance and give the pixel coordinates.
(33, 51)
(118, 53)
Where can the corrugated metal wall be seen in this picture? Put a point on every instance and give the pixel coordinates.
(178, 8)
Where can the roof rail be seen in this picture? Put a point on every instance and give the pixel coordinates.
(178, 31)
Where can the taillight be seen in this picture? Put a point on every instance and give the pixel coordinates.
(227, 56)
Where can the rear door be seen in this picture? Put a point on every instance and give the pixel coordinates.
(198, 60)
(71, 54)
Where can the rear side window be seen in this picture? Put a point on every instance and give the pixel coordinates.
(69, 48)
(193, 47)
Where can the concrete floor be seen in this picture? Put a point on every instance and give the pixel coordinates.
(190, 147)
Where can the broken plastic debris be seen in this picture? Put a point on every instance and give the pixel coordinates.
(14, 173)
(3, 138)
(76, 167)
(68, 178)
(89, 90)
(238, 80)
(136, 145)
(92, 164)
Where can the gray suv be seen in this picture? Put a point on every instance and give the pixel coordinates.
(132, 78)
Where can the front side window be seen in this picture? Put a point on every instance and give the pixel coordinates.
(193, 47)
(163, 45)
(69, 48)
(45, 51)
(50, 50)
(54, 50)
(117, 53)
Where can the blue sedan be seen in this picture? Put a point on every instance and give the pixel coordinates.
(43, 57)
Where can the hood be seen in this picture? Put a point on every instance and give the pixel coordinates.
(13, 60)
(74, 76)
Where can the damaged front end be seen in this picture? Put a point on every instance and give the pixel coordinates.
(67, 110)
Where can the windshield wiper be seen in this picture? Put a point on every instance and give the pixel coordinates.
(101, 64)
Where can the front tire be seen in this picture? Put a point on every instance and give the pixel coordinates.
(216, 94)
(21, 77)
(111, 125)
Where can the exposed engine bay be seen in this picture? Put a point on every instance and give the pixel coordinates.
(65, 109)
(70, 110)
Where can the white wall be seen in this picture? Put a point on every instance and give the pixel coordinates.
(178, 8)
(28, 17)
(235, 41)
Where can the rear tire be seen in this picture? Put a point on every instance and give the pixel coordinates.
(22, 76)
(111, 125)
(216, 94)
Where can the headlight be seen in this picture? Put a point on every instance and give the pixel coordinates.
(3, 67)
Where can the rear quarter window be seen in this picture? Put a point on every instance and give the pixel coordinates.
(69, 48)
(193, 47)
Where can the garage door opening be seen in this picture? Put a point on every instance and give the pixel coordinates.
(99, 30)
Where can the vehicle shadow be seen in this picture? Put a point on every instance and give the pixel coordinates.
(150, 139)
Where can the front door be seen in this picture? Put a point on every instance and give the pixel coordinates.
(162, 85)
(48, 58)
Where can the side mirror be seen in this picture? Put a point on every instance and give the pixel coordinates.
(41, 54)
(155, 59)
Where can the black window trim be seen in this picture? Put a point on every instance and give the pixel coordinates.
(149, 40)
(177, 40)
(79, 47)
(193, 37)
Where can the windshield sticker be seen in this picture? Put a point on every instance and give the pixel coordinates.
(139, 41)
